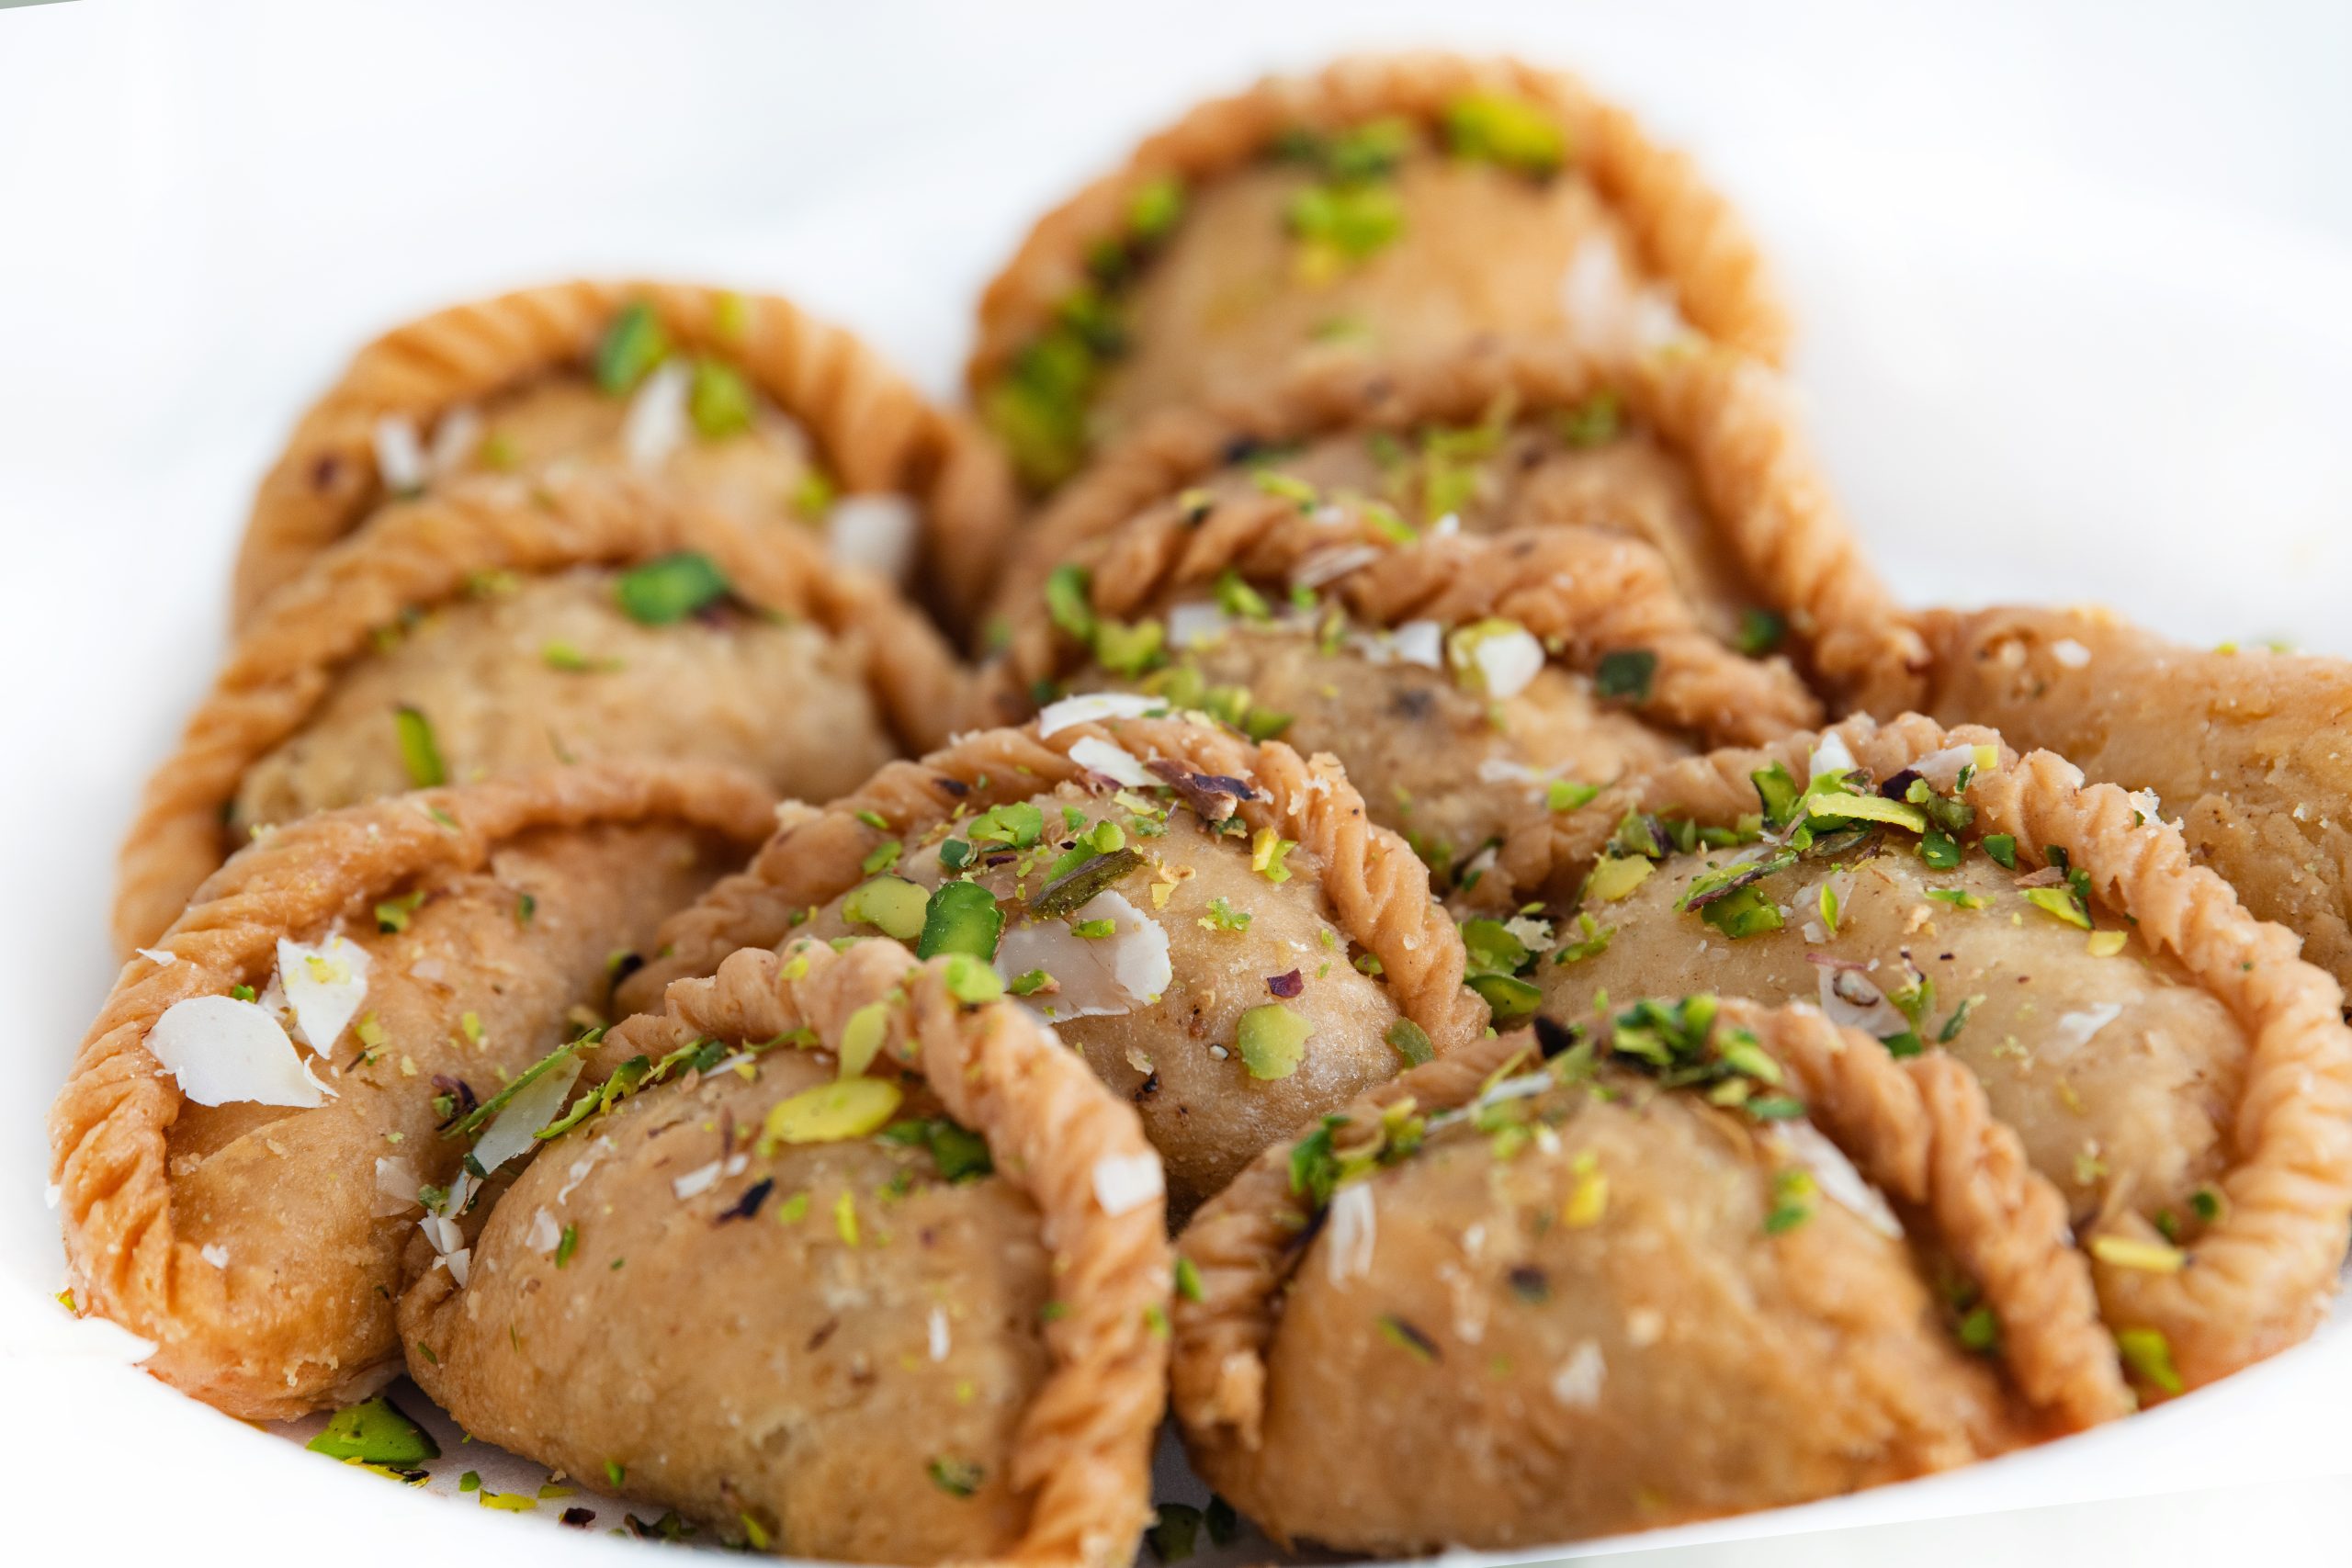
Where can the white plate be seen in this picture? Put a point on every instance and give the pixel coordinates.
(2078, 318)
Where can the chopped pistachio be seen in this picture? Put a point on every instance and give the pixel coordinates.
(632, 345)
(1502, 128)
(420, 753)
(664, 592)
(891, 905)
(1272, 1041)
(1411, 1041)
(832, 1113)
(375, 1431)
(961, 918)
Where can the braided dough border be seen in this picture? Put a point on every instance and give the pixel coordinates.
(1083, 1446)
(1588, 590)
(1912, 1128)
(1685, 229)
(876, 431)
(2260, 1276)
(1377, 887)
(1730, 418)
(108, 1124)
(422, 553)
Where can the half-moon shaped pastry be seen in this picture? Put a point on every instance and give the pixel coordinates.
(2244, 745)
(1716, 1258)
(1696, 455)
(2167, 1059)
(1384, 207)
(1215, 925)
(1466, 683)
(886, 1280)
(497, 626)
(243, 1203)
(739, 401)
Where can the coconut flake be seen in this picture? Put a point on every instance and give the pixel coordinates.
(461, 1264)
(1836, 1175)
(514, 1130)
(396, 1185)
(1190, 625)
(214, 1254)
(399, 459)
(1853, 1001)
(656, 422)
(1099, 978)
(1502, 771)
(1831, 757)
(455, 439)
(1113, 762)
(1507, 660)
(876, 532)
(1578, 1383)
(156, 954)
(1354, 1233)
(323, 986)
(696, 1181)
(2078, 1028)
(1330, 565)
(936, 1332)
(226, 1052)
(1128, 1181)
(1446, 526)
(1532, 933)
(544, 1235)
(2070, 653)
(1941, 769)
(1093, 707)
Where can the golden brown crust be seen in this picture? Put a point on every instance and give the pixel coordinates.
(1728, 416)
(1377, 887)
(1919, 1129)
(1084, 1445)
(2242, 745)
(876, 432)
(108, 1125)
(416, 555)
(1584, 592)
(2259, 1277)
(1686, 231)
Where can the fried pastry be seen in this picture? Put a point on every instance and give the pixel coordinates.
(884, 1280)
(1385, 208)
(1696, 456)
(1466, 683)
(1214, 924)
(738, 402)
(497, 626)
(243, 1203)
(1713, 1259)
(2168, 1062)
(2242, 745)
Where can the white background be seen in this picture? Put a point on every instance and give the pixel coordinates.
(2076, 288)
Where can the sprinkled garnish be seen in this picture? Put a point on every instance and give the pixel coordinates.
(375, 1431)
(666, 591)
(832, 1112)
(1408, 1338)
(420, 753)
(1272, 1041)
(632, 345)
(2149, 1355)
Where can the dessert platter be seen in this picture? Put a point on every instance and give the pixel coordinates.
(1336, 915)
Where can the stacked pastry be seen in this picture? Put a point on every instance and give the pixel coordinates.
(1437, 808)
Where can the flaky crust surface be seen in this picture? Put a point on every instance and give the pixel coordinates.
(1081, 1453)
(2260, 1276)
(1584, 592)
(1377, 887)
(419, 554)
(1685, 229)
(1918, 1130)
(1730, 419)
(2243, 747)
(245, 1344)
(876, 431)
